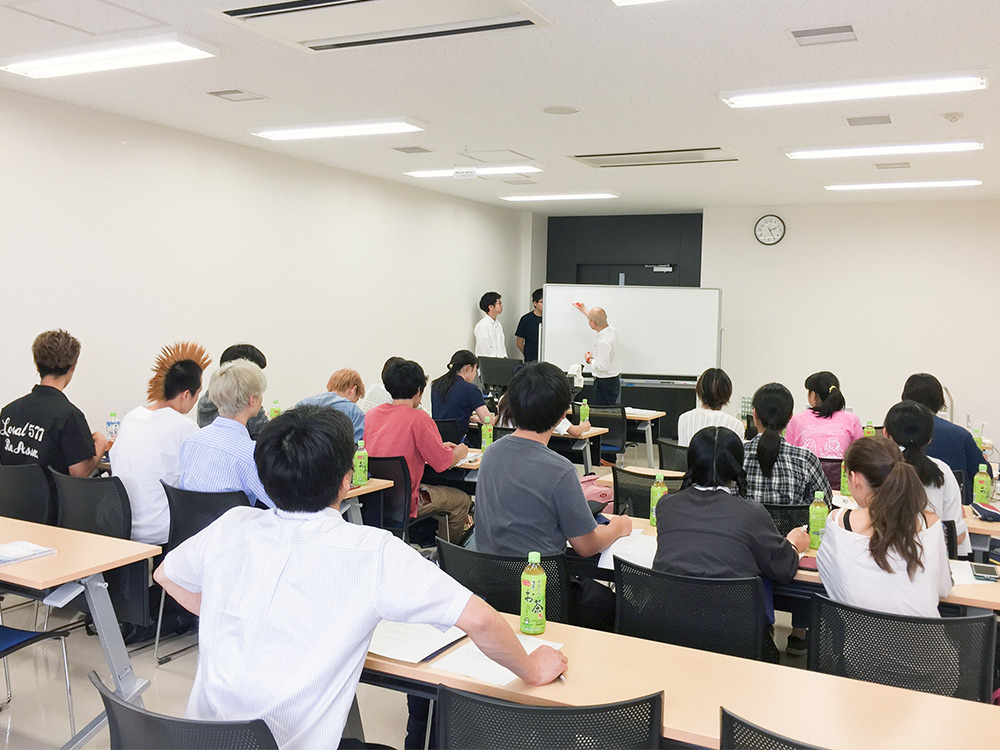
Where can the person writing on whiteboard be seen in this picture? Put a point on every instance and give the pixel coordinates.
(603, 360)
(489, 333)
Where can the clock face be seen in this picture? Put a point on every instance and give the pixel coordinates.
(769, 230)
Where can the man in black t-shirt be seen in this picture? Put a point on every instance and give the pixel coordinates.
(526, 335)
(44, 427)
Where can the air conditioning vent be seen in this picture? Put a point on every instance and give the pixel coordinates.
(321, 25)
(856, 122)
(412, 150)
(237, 95)
(826, 35)
(657, 158)
(893, 165)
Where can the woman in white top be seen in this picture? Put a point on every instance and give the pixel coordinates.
(714, 389)
(889, 555)
(910, 425)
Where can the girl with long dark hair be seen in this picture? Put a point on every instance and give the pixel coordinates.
(889, 554)
(453, 396)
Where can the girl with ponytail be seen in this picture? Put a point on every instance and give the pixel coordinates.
(910, 425)
(453, 396)
(888, 555)
(825, 428)
(778, 472)
(708, 530)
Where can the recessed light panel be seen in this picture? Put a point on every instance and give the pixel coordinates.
(480, 171)
(340, 130)
(907, 185)
(849, 91)
(559, 197)
(885, 150)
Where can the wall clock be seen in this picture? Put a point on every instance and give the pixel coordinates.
(769, 229)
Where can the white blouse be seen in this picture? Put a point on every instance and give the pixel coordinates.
(850, 575)
(690, 422)
(946, 502)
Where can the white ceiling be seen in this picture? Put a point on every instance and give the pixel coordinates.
(644, 78)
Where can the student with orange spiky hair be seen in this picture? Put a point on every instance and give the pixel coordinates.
(148, 447)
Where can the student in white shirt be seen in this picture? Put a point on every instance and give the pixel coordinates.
(148, 447)
(714, 389)
(889, 555)
(603, 360)
(910, 425)
(490, 340)
(377, 394)
(289, 598)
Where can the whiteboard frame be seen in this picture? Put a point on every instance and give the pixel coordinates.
(664, 378)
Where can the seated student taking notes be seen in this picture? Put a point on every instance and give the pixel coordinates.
(453, 396)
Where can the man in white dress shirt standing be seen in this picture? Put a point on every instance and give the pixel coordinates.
(489, 333)
(603, 360)
(289, 598)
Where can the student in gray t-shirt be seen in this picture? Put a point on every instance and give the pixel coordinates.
(528, 498)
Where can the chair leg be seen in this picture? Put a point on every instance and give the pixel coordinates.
(45, 621)
(430, 719)
(69, 691)
(159, 622)
(6, 675)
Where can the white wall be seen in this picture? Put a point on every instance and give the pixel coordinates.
(132, 236)
(871, 292)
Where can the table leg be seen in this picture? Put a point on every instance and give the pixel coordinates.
(588, 465)
(352, 507)
(127, 685)
(651, 460)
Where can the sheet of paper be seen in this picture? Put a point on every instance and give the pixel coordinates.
(630, 412)
(469, 661)
(961, 573)
(471, 458)
(411, 642)
(12, 552)
(636, 548)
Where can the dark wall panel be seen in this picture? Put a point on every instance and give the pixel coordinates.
(596, 249)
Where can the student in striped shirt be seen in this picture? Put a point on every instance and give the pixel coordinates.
(219, 457)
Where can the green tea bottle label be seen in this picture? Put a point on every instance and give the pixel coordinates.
(533, 596)
(275, 409)
(360, 465)
(817, 519)
(486, 433)
(845, 487)
(656, 491)
(982, 486)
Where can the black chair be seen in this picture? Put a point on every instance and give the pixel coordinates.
(395, 515)
(452, 431)
(787, 517)
(190, 512)
(613, 418)
(12, 640)
(500, 432)
(100, 505)
(673, 455)
(497, 578)
(25, 494)
(631, 491)
(135, 728)
(831, 467)
(467, 721)
(950, 538)
(945, 655)
(724, 615)
(740, 734)
(960, 478)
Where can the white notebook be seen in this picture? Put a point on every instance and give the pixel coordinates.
(12, 552)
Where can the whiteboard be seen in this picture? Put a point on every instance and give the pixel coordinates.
(661, 331)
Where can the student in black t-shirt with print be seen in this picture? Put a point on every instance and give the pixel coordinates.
(44, 427)
(526, 335)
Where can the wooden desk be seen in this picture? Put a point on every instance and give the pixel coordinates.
(582, 444)
(644, 418)
(608, 481)
(352, 506)
(81, 558)
(604, 667)
(978, 526)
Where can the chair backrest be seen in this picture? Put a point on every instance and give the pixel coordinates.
(673, 455)
(396, 499)
(631, 492)
(724, 615)
(944, 655)
(740, 734)
(831, 467)
(787, 517)
(134, 728)
(98, 505)
(499, 432)
(612, 417)
(26, 494)
(476, 722)
(451, 430)
(191, 511)
(497, 579)
(960, 478)
(950, 538)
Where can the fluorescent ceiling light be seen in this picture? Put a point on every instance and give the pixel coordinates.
(899, 150)
(566, 197)
(847, 91)
(906, 185)
(480, 171)
(133, 53)
(340, 130)
(636, 2)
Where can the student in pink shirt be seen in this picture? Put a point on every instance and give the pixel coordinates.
(824, 428)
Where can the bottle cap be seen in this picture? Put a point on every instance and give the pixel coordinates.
(585, 401)
(819, 495)
(487, 419)
(114, 414)
(534, 557)
(975, 431)
(659, 476)
(361, 444)
(982, 467)
(275, 400)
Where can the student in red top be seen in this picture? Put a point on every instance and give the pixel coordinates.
(403, 429)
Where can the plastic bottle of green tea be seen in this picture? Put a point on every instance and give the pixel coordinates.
(486, 434)
(584, 411)
(869, 430)
(817, 519)
(656, 491)
(845, 486)
(360, 465)
(533, 596)
(275, 410)
(982, 486)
